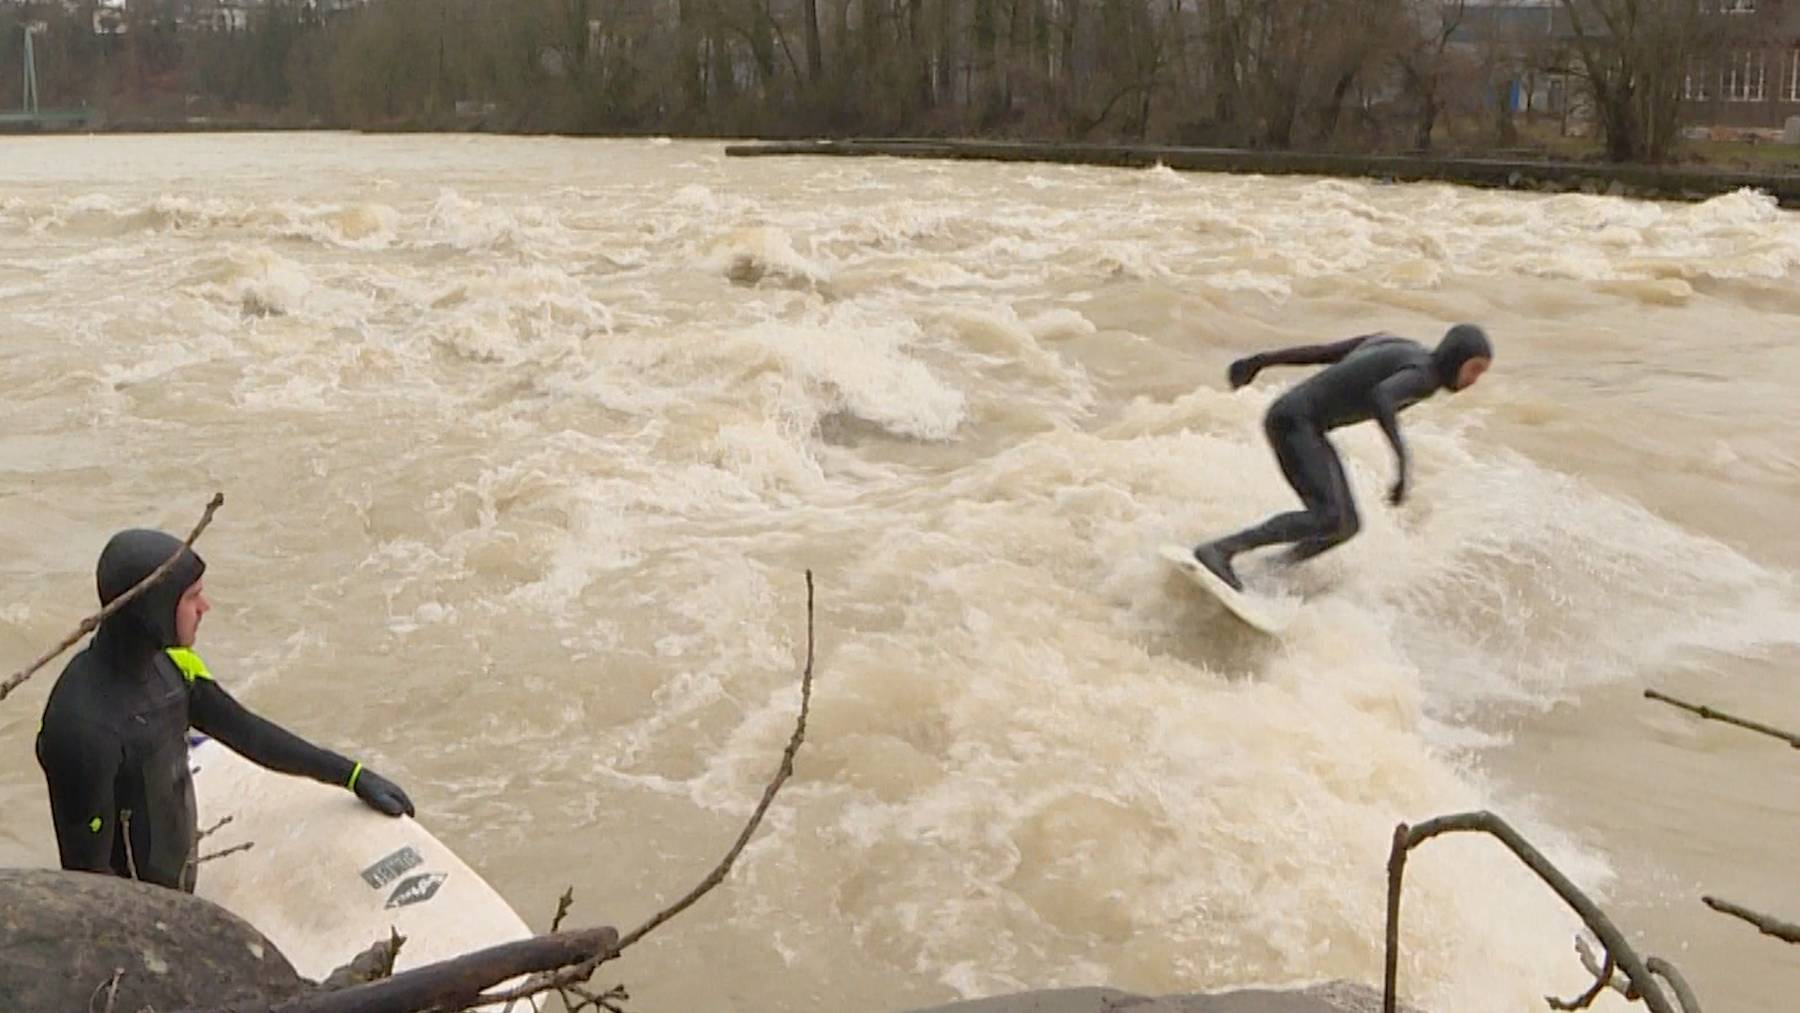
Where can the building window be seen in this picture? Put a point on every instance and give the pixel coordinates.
(1744, 78)
(1737, 6)
(1793, 77)
(1693, 86)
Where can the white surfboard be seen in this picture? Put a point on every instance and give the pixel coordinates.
(1268, 614)
(327, 876)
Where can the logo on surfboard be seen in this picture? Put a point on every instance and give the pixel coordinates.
(416, 889)
(392, 867)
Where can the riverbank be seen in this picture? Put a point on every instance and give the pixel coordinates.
(1659, 182)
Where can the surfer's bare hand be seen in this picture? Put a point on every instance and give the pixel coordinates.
(381, 794)
(1243, 371)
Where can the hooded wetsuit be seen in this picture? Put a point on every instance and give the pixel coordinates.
(1374, 377)
(114, 737)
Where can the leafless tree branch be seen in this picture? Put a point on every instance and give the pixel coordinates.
(234, 849)
(449, 985)
(558, 962)
(372, 964)
(782, 773)
(1406, 838)
(1712, 715)
(92, 623)
(1602, 978)
(569, 976)
(1614, 981)
(563, 903)
(1768, 926)
(1666, 971)
(111, 988)
(125, 834)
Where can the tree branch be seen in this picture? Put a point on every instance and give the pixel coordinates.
(569, 976)
(1602, 978)
(563, 903)
(1768, 926)
(111, 988)
(1405, 839)
(372, 964)
(234, 849)
(1615, 980)
(92, 623)
(1683, 994)
(554, 962)
(1712, 715)
(125, 835)
(782, 773)
(449, 985)
(215, 828)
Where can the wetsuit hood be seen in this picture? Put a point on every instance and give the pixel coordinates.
(1461, 343)
(130, 557)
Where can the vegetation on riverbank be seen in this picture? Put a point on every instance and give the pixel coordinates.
(1342, 76)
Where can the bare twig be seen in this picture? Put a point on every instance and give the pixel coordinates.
(92, 623)
(609, 1001)
(554, 962)
(563, 904)
(1602, 978)
(215, 828)
(234, 849)
(111, 988)
(1768, 926)
(1712, 715)
(1614, 981)
(781, 775)
(125, 831)
(565, 977)
(385, 968)
(372, 964)
(1405, 839)
(1683, 994)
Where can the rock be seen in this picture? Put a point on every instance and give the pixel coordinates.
(1334, 997)
(1617, 188)
(65, 933)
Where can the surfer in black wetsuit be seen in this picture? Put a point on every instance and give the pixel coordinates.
(1372, 377)
(114, 737)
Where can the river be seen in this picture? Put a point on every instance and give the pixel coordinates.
(527, 444)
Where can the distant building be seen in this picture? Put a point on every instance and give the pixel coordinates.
(1750, 79)
(1754, 78)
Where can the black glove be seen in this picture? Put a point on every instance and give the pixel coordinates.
(1244, 370)
(1397, 495)
(379, 793)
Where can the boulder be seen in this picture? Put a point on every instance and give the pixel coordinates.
(65, 934)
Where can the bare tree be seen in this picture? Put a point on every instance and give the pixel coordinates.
(1425, 61)
(1634, 55)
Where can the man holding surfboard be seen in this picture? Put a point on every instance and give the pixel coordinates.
(1372, 377)
(114, 746)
